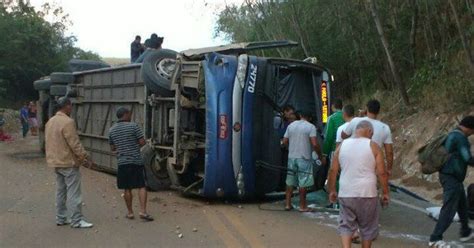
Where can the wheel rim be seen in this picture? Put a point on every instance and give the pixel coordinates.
(165, 67)
(158, 167)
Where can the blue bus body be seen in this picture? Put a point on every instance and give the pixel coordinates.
(268, 82)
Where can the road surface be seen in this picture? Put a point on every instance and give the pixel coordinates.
(27, 215)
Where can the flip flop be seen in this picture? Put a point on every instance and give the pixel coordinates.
(355, 240)
(288, 208)
(130, 217)
(146, 217)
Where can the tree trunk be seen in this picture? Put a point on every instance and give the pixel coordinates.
(393, 67)
(414, 25)
(299, 30)
(464, 39)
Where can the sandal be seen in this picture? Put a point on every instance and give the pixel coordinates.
(289, 208)
(146, 217)
(130, 216)
(355, 240)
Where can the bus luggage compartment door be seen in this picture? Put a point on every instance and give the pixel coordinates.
(219, 73)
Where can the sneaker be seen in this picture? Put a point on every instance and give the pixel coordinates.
(63, 223)
(82, 224)
(467, 238)
(438, 244)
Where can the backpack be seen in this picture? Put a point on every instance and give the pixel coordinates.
(432, 156)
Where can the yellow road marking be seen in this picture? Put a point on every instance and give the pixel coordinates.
(220, 228)
(246, 232)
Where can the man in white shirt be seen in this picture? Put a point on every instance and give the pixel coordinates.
(301, 137)
(360, 161)
(382, 134)
(348, 112)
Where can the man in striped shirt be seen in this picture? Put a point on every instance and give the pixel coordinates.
(126, 138)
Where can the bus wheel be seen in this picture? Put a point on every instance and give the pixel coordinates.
(156, 173)
(157, 70)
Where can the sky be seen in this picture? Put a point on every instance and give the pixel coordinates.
(107, 27)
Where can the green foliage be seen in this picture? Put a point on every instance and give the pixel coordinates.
(422, 34)
(31, 47)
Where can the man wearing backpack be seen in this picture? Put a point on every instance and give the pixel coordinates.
(451, 177)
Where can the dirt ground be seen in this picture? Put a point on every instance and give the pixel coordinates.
(409, 134)
(27, 215)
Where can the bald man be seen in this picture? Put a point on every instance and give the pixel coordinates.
(361, 162)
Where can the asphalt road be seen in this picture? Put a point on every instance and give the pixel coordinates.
(27, 215)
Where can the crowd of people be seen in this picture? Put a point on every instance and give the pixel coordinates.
(138, 50)
(28, 119)
(358, 152)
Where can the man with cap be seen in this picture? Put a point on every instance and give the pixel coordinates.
(151, 44)
(452, 176)
(126, 138)
(65, 154)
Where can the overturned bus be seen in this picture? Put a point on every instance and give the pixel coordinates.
(211, 116)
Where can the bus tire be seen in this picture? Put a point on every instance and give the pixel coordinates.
(62, 78)
(58, 90)
(157, 69)
(42, 84)
(156, 176)
(76, 65)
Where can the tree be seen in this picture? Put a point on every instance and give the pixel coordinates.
(413, 47)
(465, 42)
(396, 76)
(31, 47)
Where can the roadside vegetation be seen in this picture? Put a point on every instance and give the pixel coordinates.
(33, 43)
(406, 53)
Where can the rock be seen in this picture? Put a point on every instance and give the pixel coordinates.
(175, 210)
(240, 206)
(195, 229)
(178, 227)
(180, 235)
(103, 195)
(83, 204)
(177, 232)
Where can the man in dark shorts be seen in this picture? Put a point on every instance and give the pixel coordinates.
(126, 138)
(360, 161)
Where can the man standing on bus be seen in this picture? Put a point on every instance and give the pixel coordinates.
(301, 138)
(126, 138)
